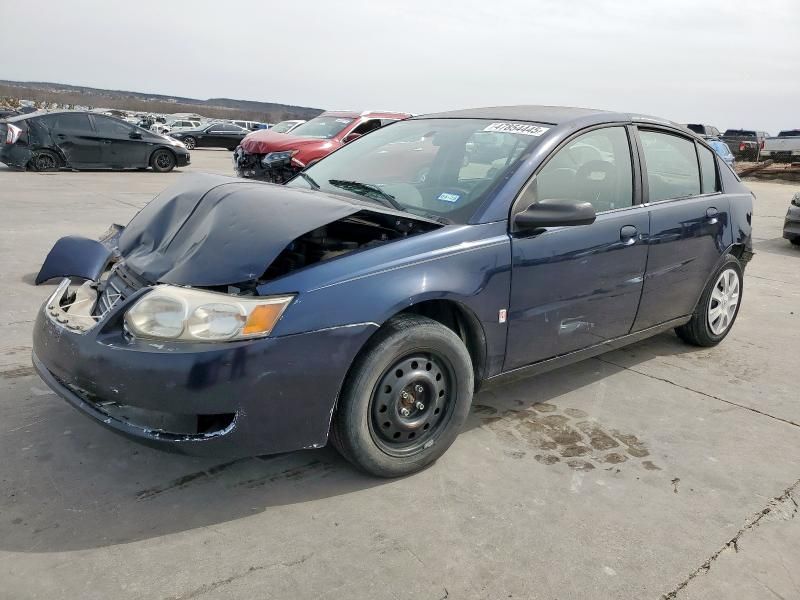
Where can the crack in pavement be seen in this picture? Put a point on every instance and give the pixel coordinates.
(733, 543)
(210, 587)
(706, 394)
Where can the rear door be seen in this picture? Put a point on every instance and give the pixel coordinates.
(119, 149)
(574, 287)
(689, 219)
(75, 137)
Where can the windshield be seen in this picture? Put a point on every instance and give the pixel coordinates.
(440, 168)
(322, 127)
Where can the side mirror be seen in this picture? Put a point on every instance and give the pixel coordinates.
(135, 135)
(554, 213)
(350, 137)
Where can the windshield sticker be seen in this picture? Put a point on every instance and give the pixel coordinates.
(445, 197)
(517, 128)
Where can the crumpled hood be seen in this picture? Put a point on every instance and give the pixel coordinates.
(211, 230)
(263, 141)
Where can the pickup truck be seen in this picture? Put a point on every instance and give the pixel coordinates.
(746, 144)
(784, 148)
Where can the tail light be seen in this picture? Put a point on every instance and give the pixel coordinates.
(742, 146)
(13, 134)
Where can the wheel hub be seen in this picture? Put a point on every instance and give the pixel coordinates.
(409, 403)
(723, 302)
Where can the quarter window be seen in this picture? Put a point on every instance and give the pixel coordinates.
(672, 170)
(594, 167)
(708, 168)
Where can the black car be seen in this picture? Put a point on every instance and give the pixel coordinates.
(215, 135)
(81, 140)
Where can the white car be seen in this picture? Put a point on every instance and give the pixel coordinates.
(286, 126)
(167, 127)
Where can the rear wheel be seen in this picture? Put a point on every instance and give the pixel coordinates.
(189, 142)
(405, 399)
(45, 160)
(718, 307)
(162, 161)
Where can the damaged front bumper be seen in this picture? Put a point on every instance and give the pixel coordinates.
(273, 167)
(223, 399)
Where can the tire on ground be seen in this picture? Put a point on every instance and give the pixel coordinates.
(698, 330)
(402, 336)
(45, 160)
(162, 161)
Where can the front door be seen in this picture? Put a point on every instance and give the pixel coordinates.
(120, 150)
(574, 287)
(688, 221)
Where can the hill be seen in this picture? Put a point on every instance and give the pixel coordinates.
(219, 108)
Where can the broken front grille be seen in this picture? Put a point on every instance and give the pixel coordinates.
(119, 284)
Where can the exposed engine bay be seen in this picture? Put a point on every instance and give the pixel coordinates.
(359, 231)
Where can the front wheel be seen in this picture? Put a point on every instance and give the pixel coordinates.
(190, 143)
(405, 399)
(162, 161)
(718, 307)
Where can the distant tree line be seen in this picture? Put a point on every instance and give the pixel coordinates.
(12, 94)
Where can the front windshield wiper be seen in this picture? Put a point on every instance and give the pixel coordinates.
(310, 180)
(364, 189)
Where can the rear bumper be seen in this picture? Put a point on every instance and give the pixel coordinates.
(254, 397)
(791, 225)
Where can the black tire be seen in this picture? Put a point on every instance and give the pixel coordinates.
(162, 161)
(795, 241)
(699, 331)
(45, 161)
(425, 359)
(189, 142)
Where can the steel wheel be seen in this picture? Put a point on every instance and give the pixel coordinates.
(410, 405)
(723, 301)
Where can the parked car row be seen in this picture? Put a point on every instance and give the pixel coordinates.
(751, 144)
(366, 300)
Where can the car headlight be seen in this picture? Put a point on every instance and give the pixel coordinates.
(274, 158)
(175, 313)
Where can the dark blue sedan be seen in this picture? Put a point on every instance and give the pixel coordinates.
(370, 297)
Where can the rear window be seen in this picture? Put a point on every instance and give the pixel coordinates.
(740, 132)
(672, 170)
(708, 169)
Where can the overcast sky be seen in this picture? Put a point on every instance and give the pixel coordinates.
(729, 63)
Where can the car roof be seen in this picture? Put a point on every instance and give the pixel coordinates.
(549, 115)
(353, 114)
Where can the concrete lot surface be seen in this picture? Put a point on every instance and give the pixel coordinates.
(691, 489)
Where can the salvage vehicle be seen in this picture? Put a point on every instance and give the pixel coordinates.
(234, 318)
(213, 135)
(723, 150)
(48, 141)
(269, 156)
(785, 148)
(791, 225)
(286, 126)
(746, 144)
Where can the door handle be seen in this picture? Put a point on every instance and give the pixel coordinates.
(628, 234)
(106, 141)
(712, 215)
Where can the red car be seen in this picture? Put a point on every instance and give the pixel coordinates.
(277, 157)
